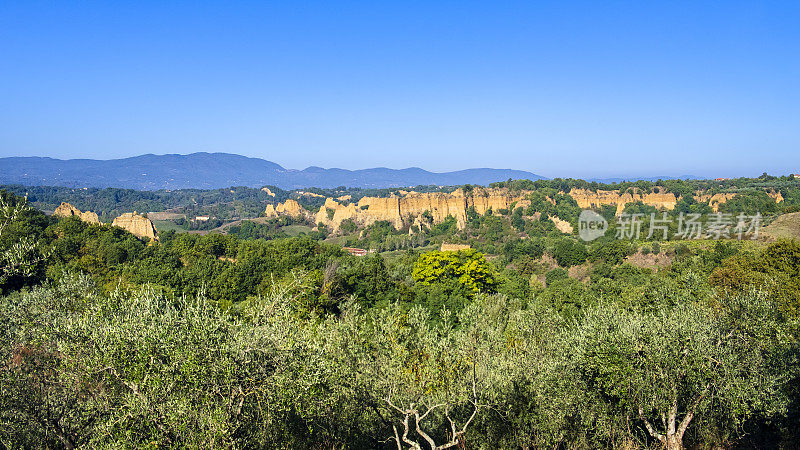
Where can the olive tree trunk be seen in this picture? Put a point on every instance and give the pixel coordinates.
(672, 436)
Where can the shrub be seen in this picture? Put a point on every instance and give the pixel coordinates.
(612, 252)
(568, 253)
(554, 275)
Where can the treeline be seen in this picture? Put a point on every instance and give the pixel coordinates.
(224, 203)
(216, 341)
(786, 183)
(108, 203)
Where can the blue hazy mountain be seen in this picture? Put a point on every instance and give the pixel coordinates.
(217, 170)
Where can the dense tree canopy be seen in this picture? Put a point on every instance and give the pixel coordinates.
(530, 339)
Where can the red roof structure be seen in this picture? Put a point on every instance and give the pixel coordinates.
(355, 251)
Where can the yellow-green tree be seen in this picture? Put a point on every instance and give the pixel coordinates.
(467, 267)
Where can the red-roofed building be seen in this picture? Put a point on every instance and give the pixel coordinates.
(355, 251)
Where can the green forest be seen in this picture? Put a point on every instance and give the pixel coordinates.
(262, 337)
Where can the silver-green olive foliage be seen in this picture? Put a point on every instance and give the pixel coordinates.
(81, 367)
(667, 368)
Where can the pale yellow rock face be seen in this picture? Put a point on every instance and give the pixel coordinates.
(662, 200)
(522, 204)
(587, 199)
(137, 225)
(310, 194)
(268, 192)
(713, 200)
(776, 195)
(407, 208)
(561, 225)
(291, 208)
(330, 203)
(67, 210)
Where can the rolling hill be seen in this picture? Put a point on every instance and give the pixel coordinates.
(217, 170)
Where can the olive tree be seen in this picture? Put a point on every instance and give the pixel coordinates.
(91, 368)
(45, 393)
(485, 377)
(522, 371)
(419, 375)
(671, 366)
(21, 255)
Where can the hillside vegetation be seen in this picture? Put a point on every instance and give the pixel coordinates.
(269, 334)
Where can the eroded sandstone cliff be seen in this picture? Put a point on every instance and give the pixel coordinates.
(658, 198)
(405, 209)
(67, 210)
(425, 209)
(138, 225)
(418, 208)
(587, 199)
(713, 200)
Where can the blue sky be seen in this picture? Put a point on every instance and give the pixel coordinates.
(583, 89)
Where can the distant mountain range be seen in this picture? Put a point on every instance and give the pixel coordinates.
(218, 170)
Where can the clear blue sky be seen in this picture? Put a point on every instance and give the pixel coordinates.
(559, 88)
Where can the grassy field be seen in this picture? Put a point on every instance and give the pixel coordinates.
(341, 240)
(337, 240)
(786, 226)
(294, 230)
(397, 253)
(166, 225)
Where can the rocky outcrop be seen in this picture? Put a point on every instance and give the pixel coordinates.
(137, 225)
(422, 209)
(310, 194)
(561, 225)
(409, 208)
(587, 199)
(268, 192)
(659, 198)
(713, 200)
(415, 209)
(288, 208)
(67, 210)
(775, 195)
